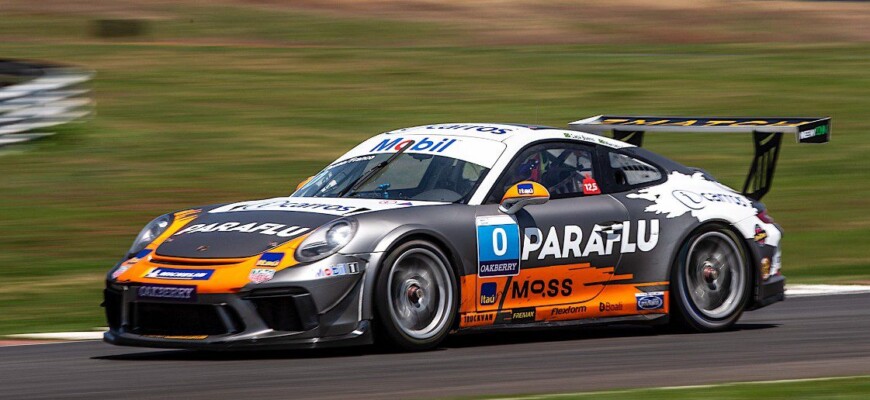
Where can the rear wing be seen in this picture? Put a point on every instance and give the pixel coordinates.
(766, 134)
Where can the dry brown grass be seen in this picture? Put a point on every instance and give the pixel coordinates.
(495, 22)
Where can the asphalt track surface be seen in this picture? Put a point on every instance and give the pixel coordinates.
(800, 338)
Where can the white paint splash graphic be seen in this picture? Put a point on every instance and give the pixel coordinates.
(694, 194)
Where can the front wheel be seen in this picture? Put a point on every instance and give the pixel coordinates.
(710, 281)
(416, 296)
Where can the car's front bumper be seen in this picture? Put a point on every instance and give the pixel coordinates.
(295, 309)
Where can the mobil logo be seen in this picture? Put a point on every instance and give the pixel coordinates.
(436, 145)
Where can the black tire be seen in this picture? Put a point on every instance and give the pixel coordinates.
(710, 280)
(415, 283)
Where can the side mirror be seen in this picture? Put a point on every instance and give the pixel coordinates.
(301, 184)
(523, 194)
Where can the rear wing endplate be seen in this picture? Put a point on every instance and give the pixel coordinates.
(766, 134)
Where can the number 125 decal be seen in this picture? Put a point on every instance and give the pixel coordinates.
(498, 246)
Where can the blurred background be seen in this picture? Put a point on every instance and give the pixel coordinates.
(201, 102)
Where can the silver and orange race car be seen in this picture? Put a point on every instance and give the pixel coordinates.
(420, 232)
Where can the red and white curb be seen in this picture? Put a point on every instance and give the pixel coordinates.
(97, 333)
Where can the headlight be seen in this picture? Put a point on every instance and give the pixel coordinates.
(151, 231)
(326, 240)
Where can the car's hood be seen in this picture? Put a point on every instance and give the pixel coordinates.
(249, 228)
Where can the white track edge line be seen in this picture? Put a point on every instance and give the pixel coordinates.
(710, 386)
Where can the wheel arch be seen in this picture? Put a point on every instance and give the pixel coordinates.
(743, 245)
(742, 242)
(398, 237)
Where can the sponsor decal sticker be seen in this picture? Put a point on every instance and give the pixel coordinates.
(121, 270)
(765, 268)
(352, 160)
(705, 122)
(525, 188)
(650, 301)
(282, 204)
(279, 230)
(609, 307)
(641, 235)
(498, 246)
(488, 293)
(760, 235)
(523, 315)
(166, 292)
(478, 318)
(476, 128)
(180, 274)
(590, 186)
(338, 270)
(596, 139)
(270, 259)
(260, 275)
(567, 310)
(706, 200)
(420, 145)
(817, 131)
(541, 288)
(178, 337)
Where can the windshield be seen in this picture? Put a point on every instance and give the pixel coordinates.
(411, 176)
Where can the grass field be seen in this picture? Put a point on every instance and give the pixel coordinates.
(823, 388)
(228, 103)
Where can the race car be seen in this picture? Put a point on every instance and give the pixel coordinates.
(421, 232)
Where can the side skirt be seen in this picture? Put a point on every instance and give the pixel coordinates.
(654, 319)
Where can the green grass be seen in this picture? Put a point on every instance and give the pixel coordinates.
(824, 388)
(226, 109)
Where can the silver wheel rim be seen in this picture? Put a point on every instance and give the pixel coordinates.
(420, 294)
(715, 275)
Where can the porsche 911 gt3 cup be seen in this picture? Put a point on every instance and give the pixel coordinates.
(424, 231)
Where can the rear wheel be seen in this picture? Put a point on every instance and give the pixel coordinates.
(416, 297)
(710, 281)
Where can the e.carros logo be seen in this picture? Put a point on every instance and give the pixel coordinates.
(497, 130)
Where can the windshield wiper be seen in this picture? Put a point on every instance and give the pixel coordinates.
(368, 175)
